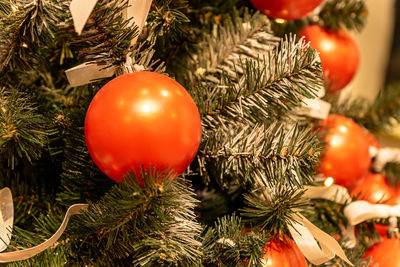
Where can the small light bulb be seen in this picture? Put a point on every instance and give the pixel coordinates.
(280, 21)
(329, 181)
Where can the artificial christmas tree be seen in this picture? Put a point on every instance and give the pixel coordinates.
(250, 83)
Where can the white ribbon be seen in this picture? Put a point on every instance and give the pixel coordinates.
(6, 217)
(385, 155)
(336, 193)
(306, 235)
(6, 224)
(85, 73)
(360, 211)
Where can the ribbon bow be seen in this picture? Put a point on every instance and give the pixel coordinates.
(305, 234)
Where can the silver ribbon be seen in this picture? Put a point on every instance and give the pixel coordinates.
(6, 224)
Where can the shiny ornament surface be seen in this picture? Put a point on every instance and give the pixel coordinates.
(346, 158)
(386, 253)
(283, 253)
(375, 189)
(286, 9)
(142, 119)
(339, 54)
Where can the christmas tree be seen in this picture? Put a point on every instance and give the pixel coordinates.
(224, 172)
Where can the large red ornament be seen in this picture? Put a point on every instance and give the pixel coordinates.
(338, 52)
(375, 189)
(283, 253)
(386, 253)
(142, 119)
(346, 158)
(286, 9)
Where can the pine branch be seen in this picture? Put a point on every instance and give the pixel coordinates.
(167, 20)
(355, 255)
(23, 130)
(260, 155)
(29, 25)
(349, 14)
(272, 209)
(263, 89)
(228, 243)
(152, 225)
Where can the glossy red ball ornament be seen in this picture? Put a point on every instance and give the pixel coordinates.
(286, 9)
(385, 254)
(375, 189)
(142, 119)
(338, 52)
(283, 252)
(346, 158)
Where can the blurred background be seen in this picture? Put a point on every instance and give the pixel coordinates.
(379, 44)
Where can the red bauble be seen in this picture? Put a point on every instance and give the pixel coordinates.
(346, 158)
(386, 253)
(142, 119)
(286, 9)
(374, 188)
(338, 52)
(283, 253)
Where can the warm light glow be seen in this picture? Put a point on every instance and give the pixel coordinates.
(327, 45)
(144, 92)
(378, 196)
(13, 7)
(164, 93)
(147, 107)
(343, 129)
(280, 21)
(24, 45)
(329, 181)
(335, 141)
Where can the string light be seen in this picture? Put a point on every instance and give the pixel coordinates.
(329, 181)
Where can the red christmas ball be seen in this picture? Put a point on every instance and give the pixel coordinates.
(283, 252)
(286, 9)
(346, 158)
(386, 253)
(338, 52)
(374, 188)
(139, 120)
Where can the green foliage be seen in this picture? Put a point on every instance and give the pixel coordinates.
(348, 14)
(229, 243)
(153, 225)
(27, 26)
(260, 155)
(272, 209)
(23, 130)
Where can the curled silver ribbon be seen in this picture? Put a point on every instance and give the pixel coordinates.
(6, 224)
